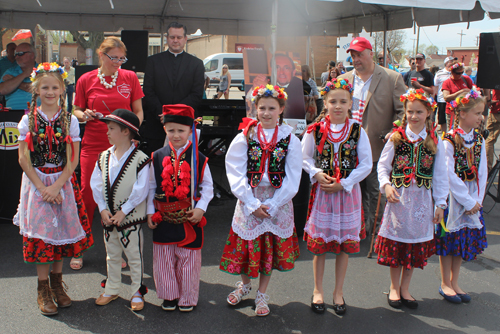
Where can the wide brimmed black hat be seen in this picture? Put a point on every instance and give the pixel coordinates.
(126, 118)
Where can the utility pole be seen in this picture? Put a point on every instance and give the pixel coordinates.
(418, 37)
(477, 40)
(461, 34)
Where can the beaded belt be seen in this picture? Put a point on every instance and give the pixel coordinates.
(173, 212)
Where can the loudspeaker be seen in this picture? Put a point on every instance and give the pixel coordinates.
(488, 66)
(81, 70)
(137, 42)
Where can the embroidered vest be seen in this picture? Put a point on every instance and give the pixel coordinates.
(42, 153)
(347, 155)
(467, 159)
(410, 162)
(275, 166)
(117, 194)
(167, 233)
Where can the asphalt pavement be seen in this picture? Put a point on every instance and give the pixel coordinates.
(290, 293)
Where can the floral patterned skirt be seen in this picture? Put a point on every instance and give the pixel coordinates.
(394, 253)
(466, 242)
(39, 252)
(260, 255)
(318, 246)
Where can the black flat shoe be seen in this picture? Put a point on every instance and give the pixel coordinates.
(317, 307)
(394, 303)
(413, 304)
(340, 309)
(169, 305)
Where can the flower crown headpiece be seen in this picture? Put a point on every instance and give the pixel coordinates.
(269, 91)
(48, 68)
(337, 84)
(473, 94)
(457, 65)
(419, 94)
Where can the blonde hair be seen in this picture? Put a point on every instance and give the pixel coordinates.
(429, 143)
(307, 69)
(110, 43)
(323, 112)
(459, 142)
(63, 117)
(281, 102)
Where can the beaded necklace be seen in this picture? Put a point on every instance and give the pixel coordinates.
(266, 146)
(102, 79)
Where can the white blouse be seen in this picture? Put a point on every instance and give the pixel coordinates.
(364, 151)
(465, 195)
(236, 169)
(206, 187)
(140, 188)
(74, 129)
(440, 186)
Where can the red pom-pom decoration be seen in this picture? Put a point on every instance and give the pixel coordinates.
(157, 218)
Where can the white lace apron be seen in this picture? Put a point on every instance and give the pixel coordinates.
(457, 219)
(56, 224)
(250, 227)
(409, 220)
(336, 216)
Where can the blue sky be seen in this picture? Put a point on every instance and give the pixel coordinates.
(447, 36)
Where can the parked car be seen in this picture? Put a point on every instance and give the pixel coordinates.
(213, 67)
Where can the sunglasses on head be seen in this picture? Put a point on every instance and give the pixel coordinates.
(21, 53)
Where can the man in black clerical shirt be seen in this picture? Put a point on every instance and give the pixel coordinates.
(171, 77)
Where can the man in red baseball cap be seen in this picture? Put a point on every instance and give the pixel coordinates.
(375, 104)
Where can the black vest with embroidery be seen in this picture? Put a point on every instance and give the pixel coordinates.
(117, 194)
(347, 154)
(275, 166)
(42, 153)
(409, 159)
(466, 158)
(167, 233)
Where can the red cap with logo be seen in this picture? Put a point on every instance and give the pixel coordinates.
(359, 44)
(178, 113)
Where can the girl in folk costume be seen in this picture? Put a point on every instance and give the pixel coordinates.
(465, 233)
(180, 189)
(51, 214)
(410, 173)
(263, 165)
(337, 156)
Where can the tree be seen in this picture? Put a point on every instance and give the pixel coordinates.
(395, 43)
(2, 32)
(95, 38)
(421, 48)
(431, 50)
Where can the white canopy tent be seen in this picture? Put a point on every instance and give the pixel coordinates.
(243, 17)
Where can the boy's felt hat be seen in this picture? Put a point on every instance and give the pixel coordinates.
(126, 118)
(178, 113)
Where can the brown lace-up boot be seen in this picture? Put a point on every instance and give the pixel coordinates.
(59, 289)
(45, 302)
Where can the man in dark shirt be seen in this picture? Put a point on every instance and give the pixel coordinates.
(171, 77)
(421, 78)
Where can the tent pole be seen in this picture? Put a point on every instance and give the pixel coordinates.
(386, 25)
(161, 35)
(274, 25)
(308, 48)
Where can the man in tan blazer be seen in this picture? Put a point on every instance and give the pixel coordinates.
(376, 106)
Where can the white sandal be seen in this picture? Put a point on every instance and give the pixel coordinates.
(241, 291)
(261, 304)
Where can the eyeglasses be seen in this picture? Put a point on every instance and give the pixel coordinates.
(21, 53)
(459, 73)
(116, 59)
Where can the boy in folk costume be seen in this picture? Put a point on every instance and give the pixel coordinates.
(120, 186)
(180, 189)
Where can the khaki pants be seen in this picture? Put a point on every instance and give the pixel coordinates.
(131, 242)
(492, 125)
(369, 192)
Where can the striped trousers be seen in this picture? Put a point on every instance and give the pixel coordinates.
(176, 272)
